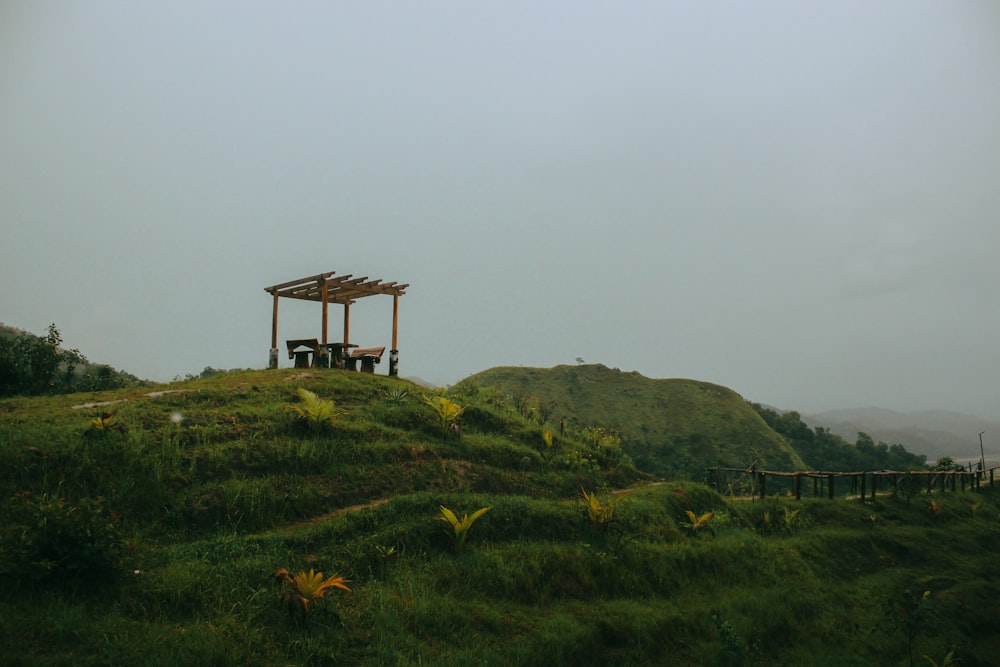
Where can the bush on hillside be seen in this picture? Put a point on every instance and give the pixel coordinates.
(48, 539)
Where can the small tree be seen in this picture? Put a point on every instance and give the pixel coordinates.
(34, 365)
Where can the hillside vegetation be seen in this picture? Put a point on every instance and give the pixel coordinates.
(672, 428)
(147, 526)
(31, 365)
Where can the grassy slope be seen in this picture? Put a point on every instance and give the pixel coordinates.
(670, 427)
(210, 506)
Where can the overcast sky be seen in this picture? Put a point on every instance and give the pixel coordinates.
(797, 200)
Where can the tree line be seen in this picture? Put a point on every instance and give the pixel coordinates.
(33, 365)
(822, 450)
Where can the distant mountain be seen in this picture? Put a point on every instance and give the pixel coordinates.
(935, 433)
(669, 427)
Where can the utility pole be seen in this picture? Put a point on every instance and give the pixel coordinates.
(982, 455)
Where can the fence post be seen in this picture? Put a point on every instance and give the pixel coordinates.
(864, 490)
(798, 487)
(763, 484)
(874, 486)
(829, 479)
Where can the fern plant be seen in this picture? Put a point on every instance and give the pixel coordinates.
(460, 527)
(317, 413)
(304, 590)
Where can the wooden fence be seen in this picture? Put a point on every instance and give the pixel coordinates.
(864, 484)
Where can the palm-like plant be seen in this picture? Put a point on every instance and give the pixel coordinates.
(597, 511)
(305, 589)
(447, 411)
(103, 423)
(460, 527)
(318, 413)
(697, 523)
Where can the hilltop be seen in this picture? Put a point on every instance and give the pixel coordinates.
(671, 428)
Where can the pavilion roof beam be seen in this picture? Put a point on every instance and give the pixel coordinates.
(300, 281)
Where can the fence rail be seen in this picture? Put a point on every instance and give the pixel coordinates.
(942, 479)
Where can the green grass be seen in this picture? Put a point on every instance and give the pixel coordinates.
(196, 515)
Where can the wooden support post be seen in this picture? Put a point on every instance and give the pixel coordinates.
(347, 324)
(864, 490)
(272, 360)
(326, 312)
(395, 321)
(874, 486)
(274, 322)
(798, 487)
(763, 484)
(394, 350)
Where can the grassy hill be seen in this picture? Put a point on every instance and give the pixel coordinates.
(669, 427)
(145, 526)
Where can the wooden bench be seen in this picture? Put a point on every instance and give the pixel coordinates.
(369, 356)
(301, 357)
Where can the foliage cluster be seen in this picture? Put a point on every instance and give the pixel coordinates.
(36, 365)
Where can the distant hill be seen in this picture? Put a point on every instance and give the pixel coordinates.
(669, 427)
(936, 433)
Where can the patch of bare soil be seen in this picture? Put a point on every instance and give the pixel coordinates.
(101, 404)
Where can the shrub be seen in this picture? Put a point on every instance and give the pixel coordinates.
(51, 539)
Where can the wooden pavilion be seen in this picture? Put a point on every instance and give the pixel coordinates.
(327, 288)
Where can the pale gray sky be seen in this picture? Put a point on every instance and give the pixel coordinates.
(797, 200)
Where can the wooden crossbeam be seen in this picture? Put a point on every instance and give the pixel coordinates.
(340, 289)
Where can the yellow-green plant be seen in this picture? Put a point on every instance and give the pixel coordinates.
(303, 590)
(460, 527)
(318, 413)
(103, 423)
(597, 511)
(696, 523)
(935, 508)
(791, 516)
(446, 410)
(948, 661)
(547, 438)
